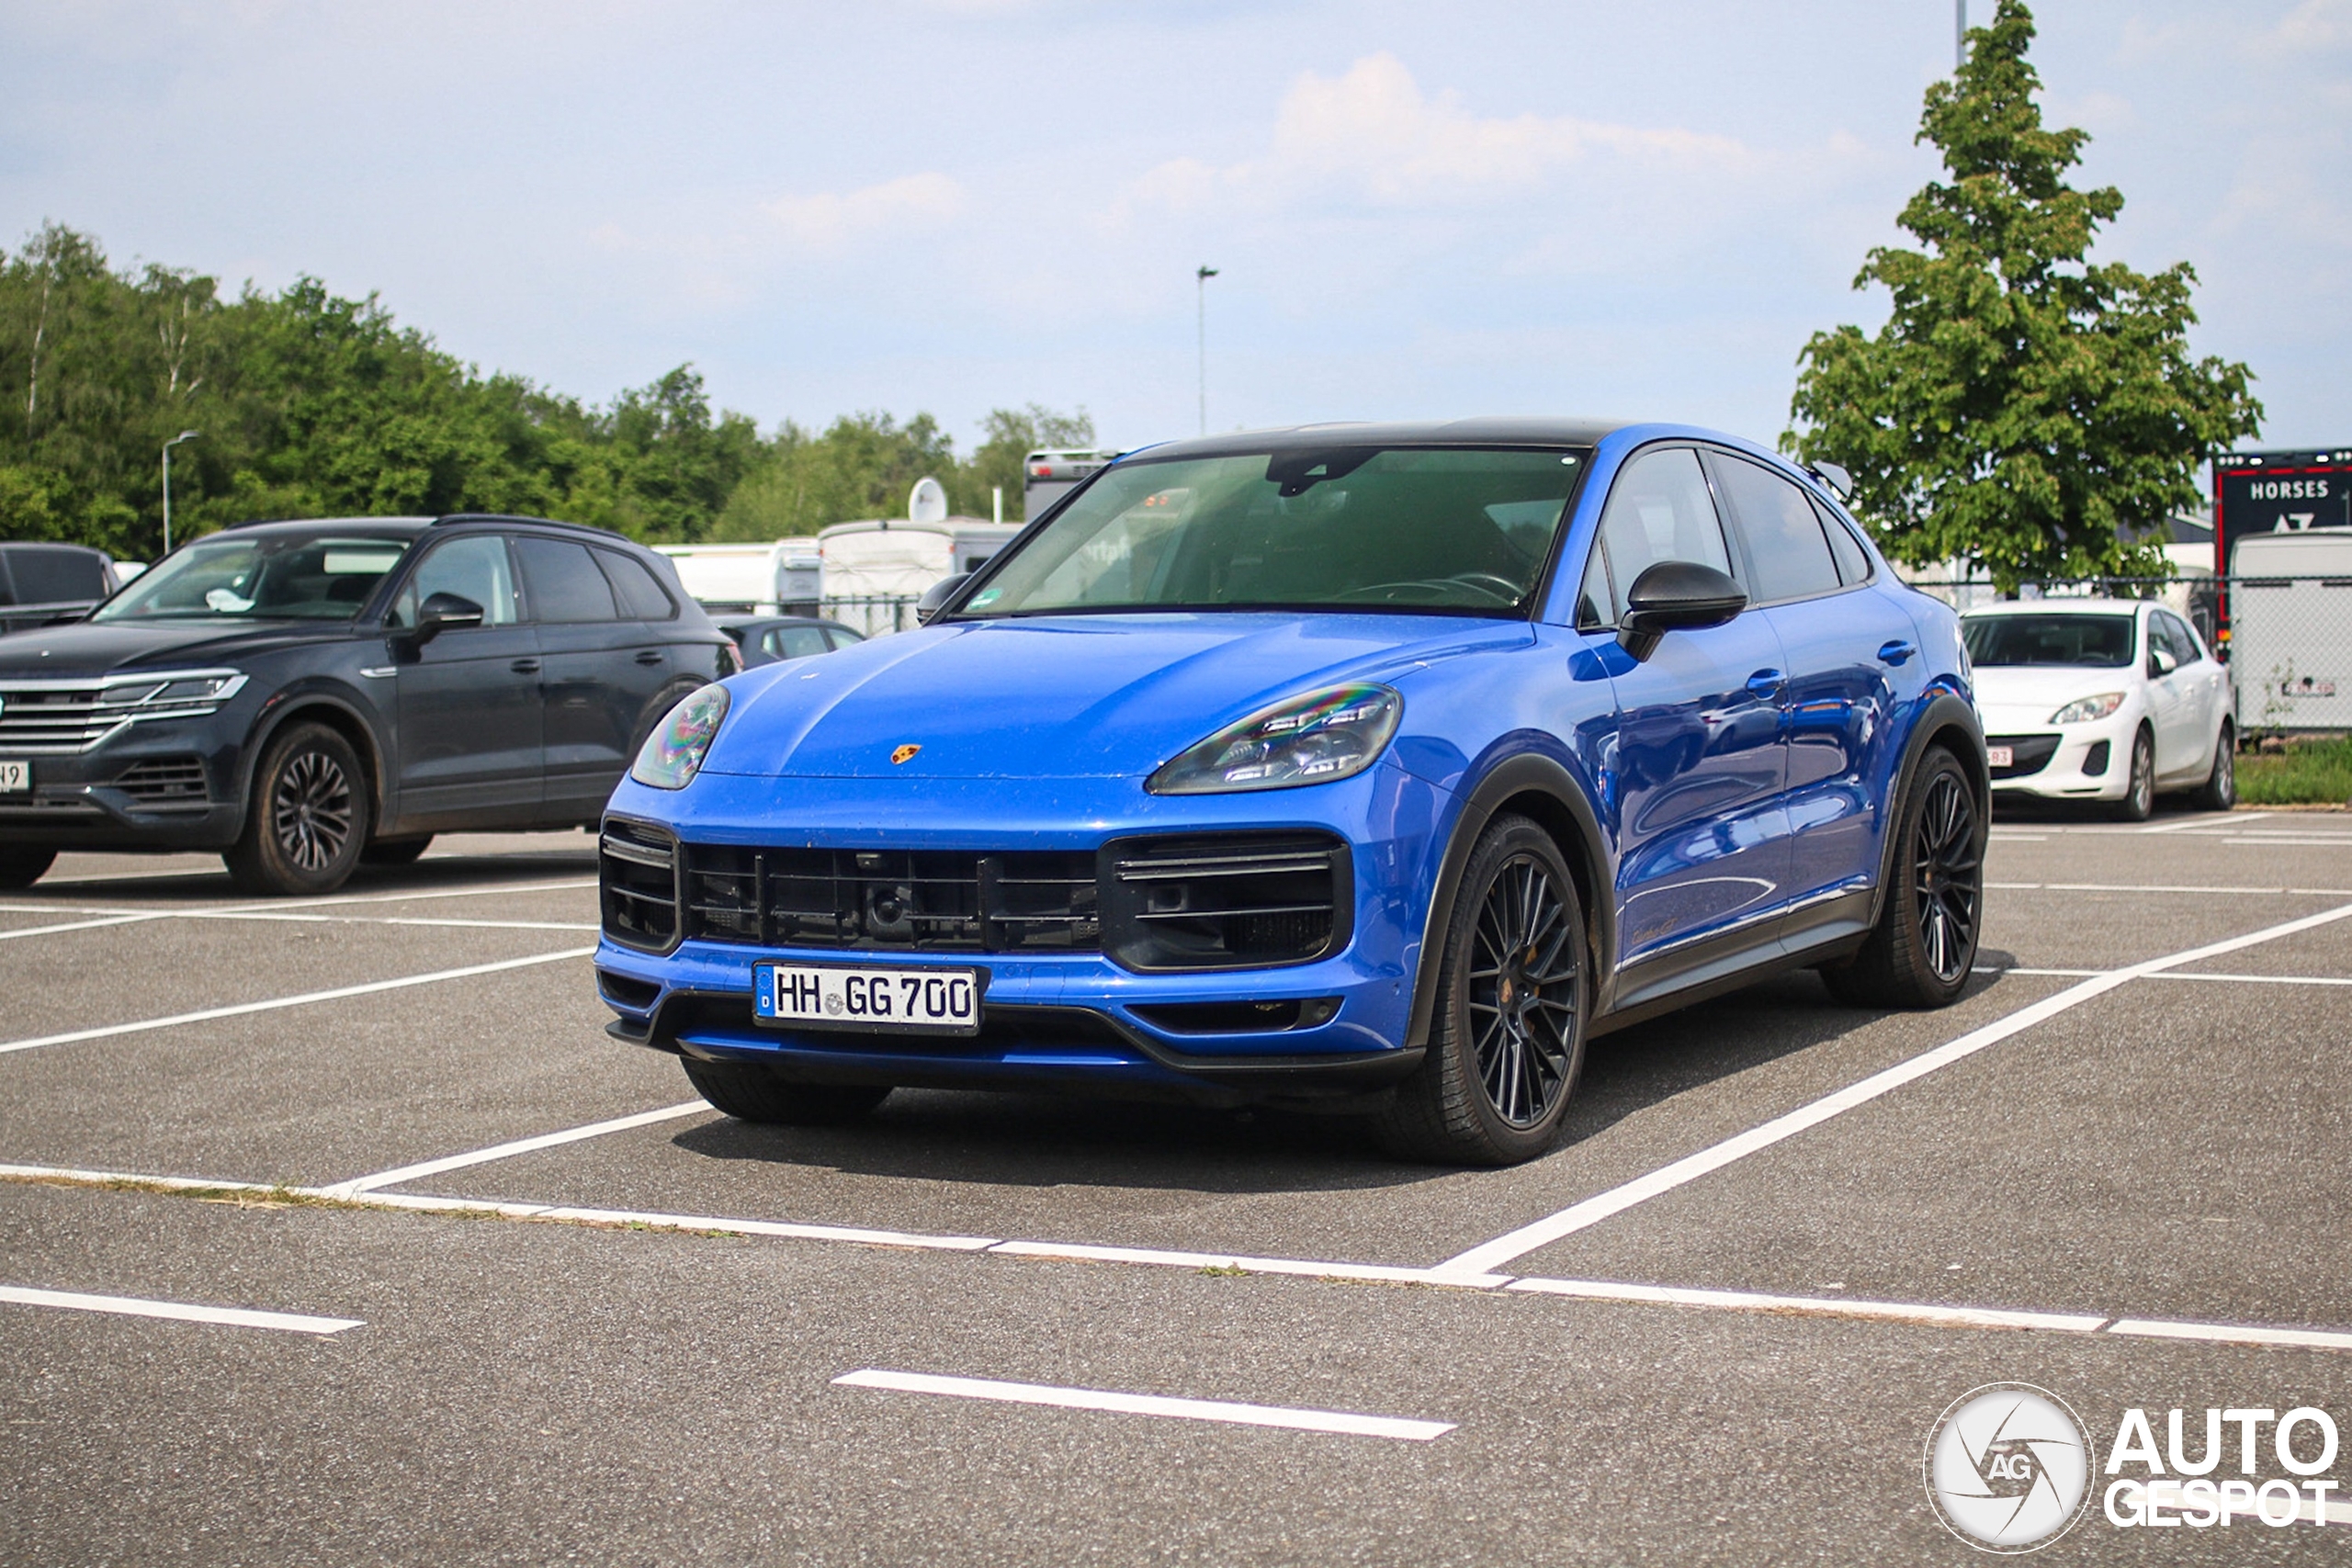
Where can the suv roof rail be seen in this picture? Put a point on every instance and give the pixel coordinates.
(450, 517)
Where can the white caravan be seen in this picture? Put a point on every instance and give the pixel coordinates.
(2290, 629)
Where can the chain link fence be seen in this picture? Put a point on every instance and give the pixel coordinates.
(871, 614)
(2287, 640)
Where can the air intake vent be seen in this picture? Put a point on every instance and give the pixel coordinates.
(164, 781)
(637, 882)
(1240, 902)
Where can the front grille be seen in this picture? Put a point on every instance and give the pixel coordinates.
(1227, 902)
(164, 781)
(2028, 753)
(637, 885)
(912, 900)
(61, 717)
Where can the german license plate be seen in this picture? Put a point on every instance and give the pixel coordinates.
(880, 1001)
(16, 778)
(2000, 756)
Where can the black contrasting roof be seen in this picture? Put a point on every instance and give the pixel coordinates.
(409, 528)
(1482, 432)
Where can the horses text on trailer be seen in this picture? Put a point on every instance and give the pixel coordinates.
(2275, 493)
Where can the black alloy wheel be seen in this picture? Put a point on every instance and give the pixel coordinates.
(308, 821)
(1923, 947)
(1507, 1037)
(1947, 878)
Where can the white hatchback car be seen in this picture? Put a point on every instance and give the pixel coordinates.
(2101, 699)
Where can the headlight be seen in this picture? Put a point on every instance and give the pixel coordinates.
(2081, 710)
(1310, 739)
(673, 753)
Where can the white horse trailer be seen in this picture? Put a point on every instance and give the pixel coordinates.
(876, 569)
(783, 578)
(2290, 629)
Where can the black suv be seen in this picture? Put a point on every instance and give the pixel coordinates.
(303, 697)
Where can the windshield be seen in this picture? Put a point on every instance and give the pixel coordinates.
(1360, 528)
(2099, 641)
(259, 577)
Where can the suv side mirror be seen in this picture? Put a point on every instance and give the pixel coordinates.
(445, 612)
(1675, 595)
(937, 595)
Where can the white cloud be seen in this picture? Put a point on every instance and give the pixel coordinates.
(912, 204)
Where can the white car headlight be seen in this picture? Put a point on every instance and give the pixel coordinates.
(672, 754)
(1311, 739)
(2082, 710)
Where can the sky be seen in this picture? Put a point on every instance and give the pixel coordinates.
(1416, 211)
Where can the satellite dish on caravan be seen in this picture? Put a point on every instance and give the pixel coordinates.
(928, 503)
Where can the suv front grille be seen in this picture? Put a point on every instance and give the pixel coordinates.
(1196, 901)
(917, 900)
(61, 717)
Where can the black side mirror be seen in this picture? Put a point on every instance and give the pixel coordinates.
(937, 594)
(1675, 595)
(445, 612)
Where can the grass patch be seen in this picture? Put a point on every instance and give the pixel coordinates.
(2308, 772)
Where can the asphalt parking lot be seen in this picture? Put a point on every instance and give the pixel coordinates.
(538, 1303)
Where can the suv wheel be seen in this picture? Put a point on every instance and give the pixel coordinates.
(1921, 953)
(750, 1092)
(306, 823)
(21, 866)
(1506, 1040)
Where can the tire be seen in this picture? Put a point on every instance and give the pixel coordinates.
(2220, 791)
(1507, 1037)
(21, 866)
(2139, 791)
(306, 822)
(395, 851)
(1921, 950)
(750, 1092)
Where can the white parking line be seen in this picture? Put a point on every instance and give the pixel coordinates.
(1158, 1258)
(1490, 1256)
(1150, 1404)
(408, 1173)
(2291, 839)
(2232, 1333)
(2164, 887)
(2227, 979)
(207, 1014)
(133, 1306)
(2210, 819)
(75, 926)
(1927, 1315)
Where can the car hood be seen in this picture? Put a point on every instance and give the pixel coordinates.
(2030, 694)
(86, 649)
(1059, 697)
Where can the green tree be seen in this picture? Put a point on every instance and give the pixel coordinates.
(2024, 407)
(1007, 436)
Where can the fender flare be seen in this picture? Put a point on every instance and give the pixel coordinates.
(1945, 713)
(1528, 772)
(281, 709)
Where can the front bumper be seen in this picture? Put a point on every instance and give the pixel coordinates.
(1075, 1019)
(171, 785)
(2079, 761)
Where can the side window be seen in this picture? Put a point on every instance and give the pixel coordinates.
(473, 567)
(795, 642)
(1853, 561)
(641, 597)
(2178, 634)
(843, 637)
(1592, 597)
(1786, 549)
(1660, 510)
(561, 581)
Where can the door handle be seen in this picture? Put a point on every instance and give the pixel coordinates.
(649, 655)
(1765, 685)
(524, 667)
(1895, 652)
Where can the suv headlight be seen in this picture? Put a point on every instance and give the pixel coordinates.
(1311, 739)
(672, 754)
(2082, 710)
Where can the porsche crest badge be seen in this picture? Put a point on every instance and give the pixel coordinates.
(903, 754)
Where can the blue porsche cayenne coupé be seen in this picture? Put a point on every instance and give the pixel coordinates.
(1377, 767)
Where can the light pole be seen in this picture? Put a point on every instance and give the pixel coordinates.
(1201, 281)
(1959, 33)
(183, 435)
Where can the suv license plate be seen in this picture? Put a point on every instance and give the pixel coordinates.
(16, 778)
(880, 1001)
(1999, 757)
